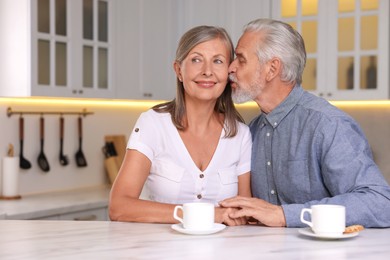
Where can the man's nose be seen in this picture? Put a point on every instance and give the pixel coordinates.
(232, 67)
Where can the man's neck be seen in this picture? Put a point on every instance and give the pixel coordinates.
(273, 95)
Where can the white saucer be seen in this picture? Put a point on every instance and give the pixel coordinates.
(217, 227)
(310, 233)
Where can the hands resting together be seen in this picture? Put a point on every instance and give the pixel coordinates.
(242, 210)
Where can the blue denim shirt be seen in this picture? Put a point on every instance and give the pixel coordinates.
(307, 152)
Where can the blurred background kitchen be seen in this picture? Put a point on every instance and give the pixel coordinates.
(113, 59)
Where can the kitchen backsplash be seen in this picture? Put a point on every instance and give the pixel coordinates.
(119, 120)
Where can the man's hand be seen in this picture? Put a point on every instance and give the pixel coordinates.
(266, 213)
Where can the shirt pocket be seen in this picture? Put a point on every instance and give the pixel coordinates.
(228, 183)
(297, 182)
(165, 181)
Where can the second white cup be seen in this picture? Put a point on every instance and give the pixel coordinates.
(325, 219)
(196, 216)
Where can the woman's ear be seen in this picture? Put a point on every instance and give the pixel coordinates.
(176, 67)
(273, 69)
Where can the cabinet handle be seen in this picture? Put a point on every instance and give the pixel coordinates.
(74, 91)
(148, 94)
(86, 218)
(321, 94)
(329, 94)
(80, 91)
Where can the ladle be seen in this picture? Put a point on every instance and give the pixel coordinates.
(63, 158)
(23, 162)
(42, 161)
(80, 158)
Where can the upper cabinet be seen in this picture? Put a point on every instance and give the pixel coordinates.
(347, 44)
(148, 32)
(126, 48)
(58, 48)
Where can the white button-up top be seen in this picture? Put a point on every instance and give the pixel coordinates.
(174, 177)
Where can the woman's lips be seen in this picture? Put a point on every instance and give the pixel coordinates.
(206, 84)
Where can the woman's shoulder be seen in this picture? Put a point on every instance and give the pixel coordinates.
(153, 115)
(242, 126)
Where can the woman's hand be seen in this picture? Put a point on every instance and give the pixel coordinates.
(222, 216)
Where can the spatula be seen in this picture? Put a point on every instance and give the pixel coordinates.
(80, 158)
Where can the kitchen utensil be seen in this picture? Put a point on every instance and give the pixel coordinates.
(23, 162)
(42, 161)
(63, 158)
(111, 148)
(105, 152)
(80, 158)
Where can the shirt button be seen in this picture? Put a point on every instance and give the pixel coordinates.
(275, 124)
(201, 175)
(268, 134)
(199, 196)
(273, 192)
(136, 130)
(268, 163)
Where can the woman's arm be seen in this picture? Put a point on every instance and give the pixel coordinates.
(244, 185)
(125, 204)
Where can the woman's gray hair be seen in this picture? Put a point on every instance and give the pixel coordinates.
(280, 40)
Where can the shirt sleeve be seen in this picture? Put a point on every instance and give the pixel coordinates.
(144, 137)
(351, 177)
(244, 164)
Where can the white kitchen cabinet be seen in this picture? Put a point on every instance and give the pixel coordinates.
(146, 46)
(98, 214)
(148, 32)
(347, 44)
(45, 51)
(86, 215)
(230, 14)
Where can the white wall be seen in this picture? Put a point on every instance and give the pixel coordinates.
(114, 120)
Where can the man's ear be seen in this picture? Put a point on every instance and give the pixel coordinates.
(274, 69)
(177, 68)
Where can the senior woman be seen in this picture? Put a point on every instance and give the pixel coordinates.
(194, 148)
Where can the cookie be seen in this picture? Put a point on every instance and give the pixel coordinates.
(353, 228)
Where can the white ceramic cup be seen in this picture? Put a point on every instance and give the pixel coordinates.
(325, 219)
(196, 215)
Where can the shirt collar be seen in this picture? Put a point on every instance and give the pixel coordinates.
(277, 115)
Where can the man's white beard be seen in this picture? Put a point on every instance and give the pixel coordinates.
(241, 95)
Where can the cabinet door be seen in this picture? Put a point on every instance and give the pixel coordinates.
(145, 49)
(157, 48)
(346, 44)
(71, 48)
(86, 215)
(230, 14)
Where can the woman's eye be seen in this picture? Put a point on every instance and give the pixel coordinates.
(195, 60)
(218, 61)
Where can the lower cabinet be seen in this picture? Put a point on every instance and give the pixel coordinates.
(99, 214)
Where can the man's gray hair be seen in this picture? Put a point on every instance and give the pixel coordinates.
(280, 40)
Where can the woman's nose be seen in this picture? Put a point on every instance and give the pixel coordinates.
(207, 69)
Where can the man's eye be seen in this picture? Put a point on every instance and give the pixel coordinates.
(241, 60)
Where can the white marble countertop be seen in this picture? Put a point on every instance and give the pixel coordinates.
(47, 204)
(35, 239)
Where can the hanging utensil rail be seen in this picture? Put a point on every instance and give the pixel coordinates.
(84, 112)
